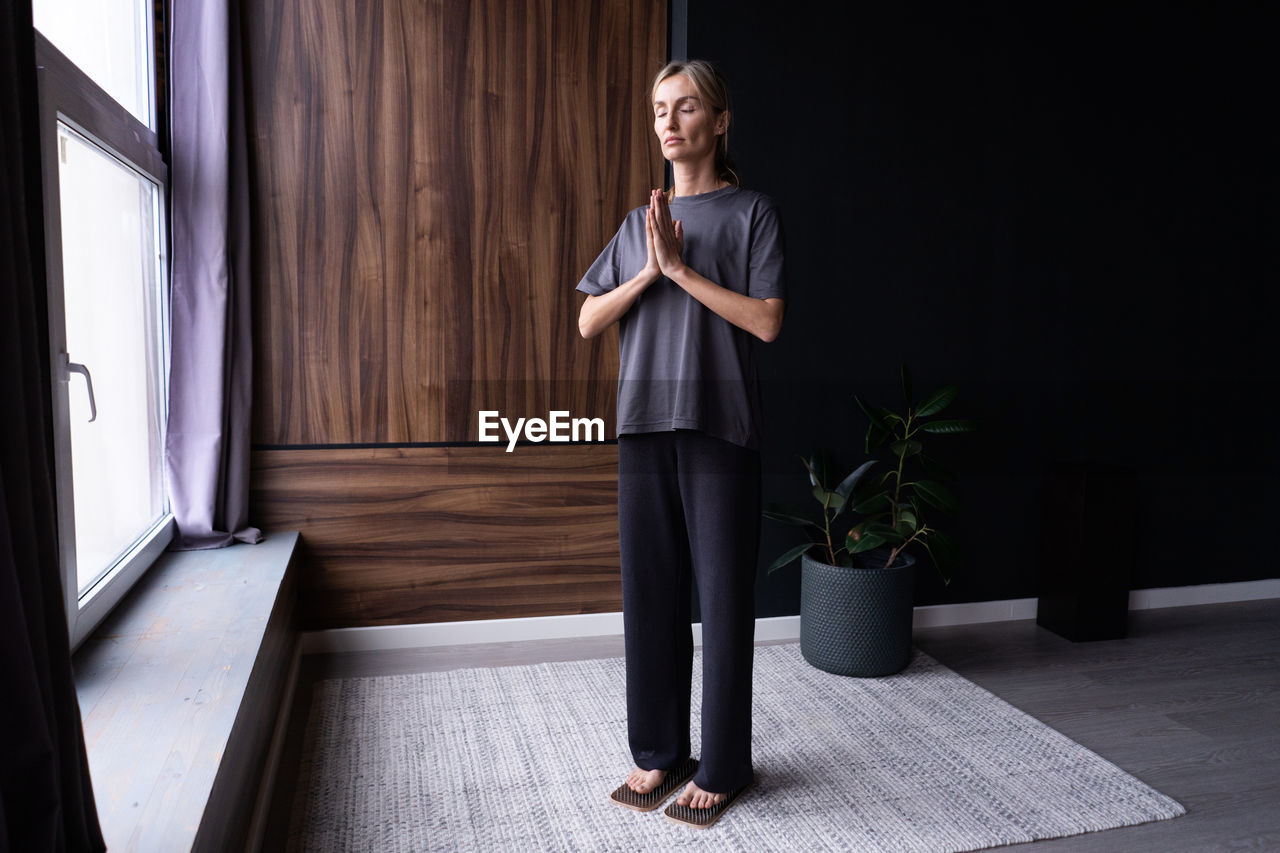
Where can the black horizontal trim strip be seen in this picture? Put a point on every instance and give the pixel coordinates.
(392, 445)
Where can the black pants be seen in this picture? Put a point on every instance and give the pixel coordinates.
(687, 501)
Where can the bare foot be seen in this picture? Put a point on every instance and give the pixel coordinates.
(696, 798)
(644, 781)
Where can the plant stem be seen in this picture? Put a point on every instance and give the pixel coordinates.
(897, 481)
(826, 523)
(893, 553)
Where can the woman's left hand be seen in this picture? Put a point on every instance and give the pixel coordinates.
(668, 236)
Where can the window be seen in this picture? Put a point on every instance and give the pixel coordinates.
(105, 186)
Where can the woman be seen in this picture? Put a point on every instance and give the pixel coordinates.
(688, 293)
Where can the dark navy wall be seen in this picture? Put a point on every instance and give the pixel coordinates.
(1067, 211)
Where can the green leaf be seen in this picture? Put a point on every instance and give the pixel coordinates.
(884, 531)
(787, 517)
(877, 434)
(909, 520)
(819, 466)
(788, 557)
(828, 499)
(937, 402)
(866, 543)
(848, 484)
(808, 466)
(949, 427)
(876, 503)
(944, 551)
(878, 429)
(872, 414)
(906, 384)
(937, 495)
(938, 564)
(945, 545)
(911, 448)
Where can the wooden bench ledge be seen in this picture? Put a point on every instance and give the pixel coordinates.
(180, 689)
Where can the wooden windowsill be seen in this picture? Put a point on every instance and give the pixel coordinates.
(179, 689)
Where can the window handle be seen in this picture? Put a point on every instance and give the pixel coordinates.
(73, 367)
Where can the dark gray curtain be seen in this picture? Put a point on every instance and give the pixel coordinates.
(46, 800)
(210, 392)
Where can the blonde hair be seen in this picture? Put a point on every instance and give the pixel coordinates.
(714, 92)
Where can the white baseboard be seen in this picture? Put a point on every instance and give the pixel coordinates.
(380, 637)
(939, 615)
(384, 637)
(1209, 593)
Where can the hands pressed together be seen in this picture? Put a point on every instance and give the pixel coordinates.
(666, 237)
(665, 257)
(760, 317)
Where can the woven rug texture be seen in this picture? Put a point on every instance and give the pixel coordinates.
(524, 757)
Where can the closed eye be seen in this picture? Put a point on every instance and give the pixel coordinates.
(687, 104)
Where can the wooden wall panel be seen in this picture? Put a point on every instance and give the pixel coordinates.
(429, 534)
(430, 181)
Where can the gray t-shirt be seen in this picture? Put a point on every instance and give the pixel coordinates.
(681, 366)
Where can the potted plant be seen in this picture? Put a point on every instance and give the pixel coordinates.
(857, 569)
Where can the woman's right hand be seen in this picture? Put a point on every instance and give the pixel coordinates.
(600, 312)
(652, 270)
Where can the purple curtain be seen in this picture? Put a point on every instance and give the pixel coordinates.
(210, 392)
(46, 800)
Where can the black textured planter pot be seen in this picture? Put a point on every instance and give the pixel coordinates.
(857, 621)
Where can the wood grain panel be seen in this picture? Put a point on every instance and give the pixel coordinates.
(402, 535)
(430, 181)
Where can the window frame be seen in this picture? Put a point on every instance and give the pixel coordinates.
(70, 96)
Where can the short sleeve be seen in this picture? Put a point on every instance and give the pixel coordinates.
(767, 277)
(603, 275)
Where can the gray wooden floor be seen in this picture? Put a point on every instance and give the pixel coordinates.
(1189, 703)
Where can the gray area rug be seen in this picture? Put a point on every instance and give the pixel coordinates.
(524, 758)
